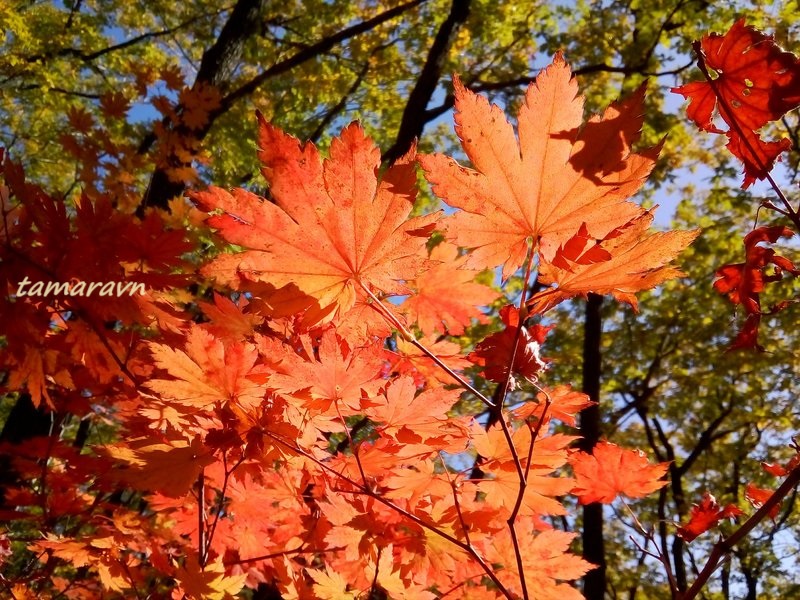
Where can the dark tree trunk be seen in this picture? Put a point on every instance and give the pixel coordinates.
(216, 68)
(594, 583)
(24, 422)
(414, 115)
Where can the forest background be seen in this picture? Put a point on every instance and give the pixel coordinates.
(104, 97)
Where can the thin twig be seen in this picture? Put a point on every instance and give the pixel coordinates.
(201, 518)
(723, 546)
(523, 483)
(408, 336)
(422, 523)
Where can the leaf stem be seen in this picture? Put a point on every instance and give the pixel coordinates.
(501, 399)
(389, 316)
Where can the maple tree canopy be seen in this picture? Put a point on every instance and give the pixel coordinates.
(329, 391)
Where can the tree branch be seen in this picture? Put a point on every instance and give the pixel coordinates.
(414, 116)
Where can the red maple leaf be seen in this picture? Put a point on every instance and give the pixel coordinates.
(744, 282)
(494, 353)
(759, 496)
(706, 515)
(753, 82)
(757, 80)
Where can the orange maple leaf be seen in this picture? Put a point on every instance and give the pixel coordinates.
(333, 227)
(208, 582)
(446, 298)
(547, 561)
(170, 467)
(610, 470)
(559, 176)
(210, 372)
(410, 360)
(422, 419)
(636, 262)
(565, 403)
(198, 103)
(338, 380)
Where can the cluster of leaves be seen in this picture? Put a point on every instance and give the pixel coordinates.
(754, 82)
(305, 431)
(287, 397)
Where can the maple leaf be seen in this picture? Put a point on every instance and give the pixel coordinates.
(445, 298)
(170, 467)
(330, 585)
(210, 372)
(207, 582)
(339, 379)
(541, 190)
(782, 470)
(198, 103)
(610, 470)
(418, 420)
(757, 155)
(546, 561)
(410, 360)
(565, 404)
(333, 227)
(80, 120)
(636, 262)
(228, 318)
(758, 497)
(417, 480)
(756, 82)
(743, 282)
(494, 352)
(390, 579)
(501, 486)
(115, 104)
(706, 515)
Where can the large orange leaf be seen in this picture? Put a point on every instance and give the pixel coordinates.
(541, 189)
(637, 261)
(610, 470)
(333, 226)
